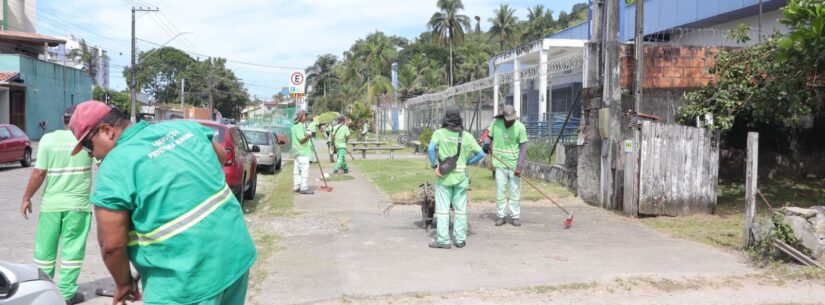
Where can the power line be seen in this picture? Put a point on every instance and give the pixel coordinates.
(227, 59)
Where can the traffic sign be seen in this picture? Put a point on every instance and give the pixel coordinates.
(297, 82)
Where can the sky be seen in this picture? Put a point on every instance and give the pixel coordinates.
(263, 40)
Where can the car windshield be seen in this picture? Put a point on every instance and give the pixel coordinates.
(218, 133)
(256, 137)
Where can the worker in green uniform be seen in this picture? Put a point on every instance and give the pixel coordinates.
(508, 142)
(312, 126)
(65, 209)
(161, 202)
(301, 152)
(340, 135)
(365, 128)
(450, 151)
(330, 141)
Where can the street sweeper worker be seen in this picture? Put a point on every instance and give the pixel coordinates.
(301, 152)
(162, 202)
(340, 135)
(451, 149)
(65, 211)
(507, 141)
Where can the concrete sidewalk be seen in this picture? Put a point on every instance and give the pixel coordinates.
(340, 244)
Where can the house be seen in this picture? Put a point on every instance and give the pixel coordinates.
(681, 37)
(33, 92)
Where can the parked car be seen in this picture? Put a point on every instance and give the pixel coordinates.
(240, 164)
(27, 284)
(14, 146)
(269, 158)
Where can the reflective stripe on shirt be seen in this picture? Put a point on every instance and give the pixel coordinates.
(68, 171)
(183, 222)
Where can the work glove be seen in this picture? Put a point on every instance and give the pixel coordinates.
(486, 148)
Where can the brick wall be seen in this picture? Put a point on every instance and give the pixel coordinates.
(669, 67)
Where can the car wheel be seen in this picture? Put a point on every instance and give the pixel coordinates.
(250, 192)
(277, 165)
(270, 169)
(27, 158)
(240, 193)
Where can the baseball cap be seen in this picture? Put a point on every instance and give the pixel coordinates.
(85, 118)
(507, 112)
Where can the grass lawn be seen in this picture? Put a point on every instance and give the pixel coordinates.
(274, 194)
(725, 228)
(398, 176)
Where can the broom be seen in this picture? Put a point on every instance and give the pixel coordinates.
(568, 222)
(325, 188)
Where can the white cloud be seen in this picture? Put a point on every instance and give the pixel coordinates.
(281, 33)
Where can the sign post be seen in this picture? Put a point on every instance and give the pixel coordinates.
(297, 84)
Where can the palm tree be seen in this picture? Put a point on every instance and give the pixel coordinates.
(321, 75)
(473, 65)
(505, 24)
(87, 58)
(536, 13)
(447, 24)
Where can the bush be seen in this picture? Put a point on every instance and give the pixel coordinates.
(539, 152)
(763, 250)
(425, 137)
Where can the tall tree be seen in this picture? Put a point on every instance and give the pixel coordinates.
(505, 24)
(448, 25)
(88, 58)
(159, 73)
(321, 76)
(539, 23)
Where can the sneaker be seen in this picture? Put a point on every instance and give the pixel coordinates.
(76, 299)
(335, 172)
(346, 171)
(500, 221)
(307, 192)
(439, 246)
(515, 222)
(460, 244)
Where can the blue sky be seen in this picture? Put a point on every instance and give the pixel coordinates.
(273, 35)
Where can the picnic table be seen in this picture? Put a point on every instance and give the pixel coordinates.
(363, 147)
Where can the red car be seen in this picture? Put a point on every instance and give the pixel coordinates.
(14, 146)
(240, 161)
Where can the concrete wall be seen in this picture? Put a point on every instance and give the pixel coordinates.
(5, 109)
(563, 172)
(22, 15)
(50, 88)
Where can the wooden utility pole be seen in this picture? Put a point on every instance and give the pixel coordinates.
(133, 82)
(750, 185)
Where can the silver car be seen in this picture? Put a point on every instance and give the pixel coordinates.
(269, 158)
(26, 284)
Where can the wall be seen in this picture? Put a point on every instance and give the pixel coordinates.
(22, 15)
(5, 116)
(564, 172)
(668, 67)
(50, 88)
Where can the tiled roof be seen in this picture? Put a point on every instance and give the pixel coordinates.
(30, 37)
(7, 76)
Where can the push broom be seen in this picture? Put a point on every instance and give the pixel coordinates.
(568, 222)
(325, 188)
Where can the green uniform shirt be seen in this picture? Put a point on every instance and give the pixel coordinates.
(68, 179)
(341, 135)
(447, 142)
(188, 237)
(313, 126)
(506, 142)
(298, 132)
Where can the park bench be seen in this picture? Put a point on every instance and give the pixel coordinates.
(364, 150)
(416, 145)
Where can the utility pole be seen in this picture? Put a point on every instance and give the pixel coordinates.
(592, 68)
(611, 163)
(182, 92)
(209, 90)
(133, 82)
(640, 54)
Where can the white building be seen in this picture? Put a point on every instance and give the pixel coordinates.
(61, 55)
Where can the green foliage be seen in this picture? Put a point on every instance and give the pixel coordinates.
(539, 152)
(119, 99)
(425, 137)
(753, 85)
(326, 117)
(806, 18)
(505, 25)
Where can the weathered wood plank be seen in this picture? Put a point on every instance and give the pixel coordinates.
(752, 165)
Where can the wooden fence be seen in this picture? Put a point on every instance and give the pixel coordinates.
(675, 172)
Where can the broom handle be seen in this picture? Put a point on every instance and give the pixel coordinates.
(531, 184)
(312, 143)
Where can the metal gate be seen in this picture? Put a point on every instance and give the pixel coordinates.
(675, 172)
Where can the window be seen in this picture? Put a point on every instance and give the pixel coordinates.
(218, 133)
(4, 133)
(257, 137)
(16, 132)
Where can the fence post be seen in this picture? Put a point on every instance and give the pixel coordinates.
(750, 185)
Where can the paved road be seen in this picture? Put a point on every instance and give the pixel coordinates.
(339, 245)
(17, 234)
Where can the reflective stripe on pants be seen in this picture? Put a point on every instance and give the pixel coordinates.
(506, 180)
(300, 174)
(342, 159)
(445, 197)
(70, 229)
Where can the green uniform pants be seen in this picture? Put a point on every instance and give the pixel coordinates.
(70, 230)
(506, 180)
(445, 196)
(342, 159)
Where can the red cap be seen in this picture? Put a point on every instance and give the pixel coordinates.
(85, 117)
